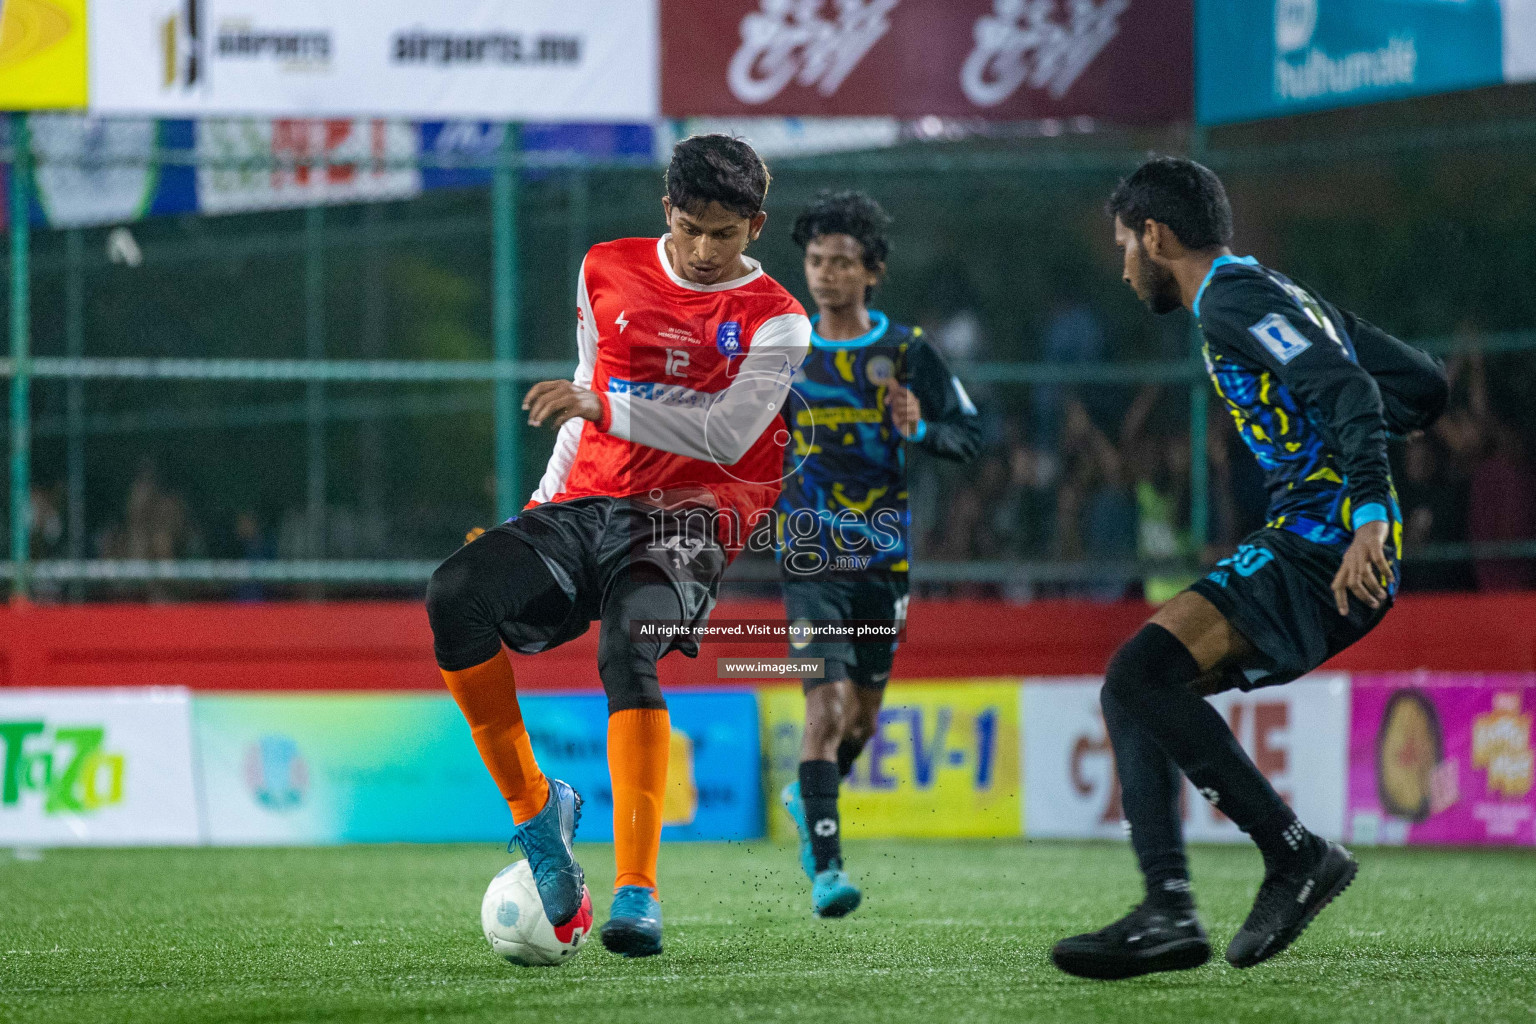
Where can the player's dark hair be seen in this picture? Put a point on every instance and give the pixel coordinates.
(717, 169)
(847, 213)
(1186, 196)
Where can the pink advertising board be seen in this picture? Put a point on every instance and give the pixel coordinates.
(1442, 758)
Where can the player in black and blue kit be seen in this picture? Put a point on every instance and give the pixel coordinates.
(868, 390)
(1315, 392)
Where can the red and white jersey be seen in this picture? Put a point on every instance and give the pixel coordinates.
(691, 378)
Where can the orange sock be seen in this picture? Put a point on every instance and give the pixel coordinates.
(487, 695)
(639, 741)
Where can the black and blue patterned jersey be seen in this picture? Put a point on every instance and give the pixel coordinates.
(843, 509)
(1314, 391)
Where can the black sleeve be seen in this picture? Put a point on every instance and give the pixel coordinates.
(1252, 316)
(951, 430)
(1413, 384)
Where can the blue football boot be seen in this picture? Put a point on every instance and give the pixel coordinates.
(545, 840)
(832, 895)
(790, 796)
(634, 923)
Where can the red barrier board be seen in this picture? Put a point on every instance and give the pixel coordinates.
(388, 646)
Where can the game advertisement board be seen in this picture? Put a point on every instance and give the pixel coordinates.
(1296, 734)
(1442, 758)
(330, 768)
(944, 761)
(87, 767)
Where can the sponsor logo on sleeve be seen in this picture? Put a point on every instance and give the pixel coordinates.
(1283, 340)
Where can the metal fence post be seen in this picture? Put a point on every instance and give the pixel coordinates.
(314, 391)
(504, 315)
(74, 401)
(21, 356)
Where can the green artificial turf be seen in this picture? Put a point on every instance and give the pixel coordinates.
(949, 932)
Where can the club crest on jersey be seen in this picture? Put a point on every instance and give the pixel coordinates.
(880, 370)
(728, 338)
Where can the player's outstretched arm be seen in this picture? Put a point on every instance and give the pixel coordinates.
(569, 436)
(721, 427)
(1414, 387)
(946, 423)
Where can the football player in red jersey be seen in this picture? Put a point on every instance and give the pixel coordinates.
(669, 450)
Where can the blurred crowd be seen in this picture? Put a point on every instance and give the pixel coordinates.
(1088, 491)
(1081, 491)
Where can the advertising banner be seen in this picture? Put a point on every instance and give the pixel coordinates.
(330, 161)
(333, 768)
(1442, 757)
(42, 54)
(115, 170)
(944, 761)
(513, 59)
(1121, 60)
(93, 170)
(1263, 58)
(110, 767)
(1297, 735)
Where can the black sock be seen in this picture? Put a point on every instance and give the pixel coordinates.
(1149, 677)
(818, 791)
(1150, 788)
(848, 751)
(1170, 894)
(1286, 844)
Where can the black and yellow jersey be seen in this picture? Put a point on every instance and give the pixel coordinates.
(1315, 392)
(843, 508)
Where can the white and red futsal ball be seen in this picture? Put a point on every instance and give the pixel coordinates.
(512, 916)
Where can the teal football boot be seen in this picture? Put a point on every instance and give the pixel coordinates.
(832, 895)
(545, 840)
(790, 797)
(634, 923)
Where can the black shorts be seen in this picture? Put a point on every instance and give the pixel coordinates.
(1277, 590)
(588, 543)
(873, 597)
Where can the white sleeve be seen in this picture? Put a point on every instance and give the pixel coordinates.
(569, 436)
(724, 427)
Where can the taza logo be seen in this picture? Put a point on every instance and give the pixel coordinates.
(69, 767)
(790, 40)
(1026, 42)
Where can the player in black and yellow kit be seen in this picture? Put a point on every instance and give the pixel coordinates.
(868, 390)
(1315, 391)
